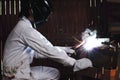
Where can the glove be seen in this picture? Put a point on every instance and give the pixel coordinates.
(68, 50)
(82, 64)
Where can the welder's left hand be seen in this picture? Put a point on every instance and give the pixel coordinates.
(68, 50)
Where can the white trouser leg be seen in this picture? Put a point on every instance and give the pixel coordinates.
(44, 73)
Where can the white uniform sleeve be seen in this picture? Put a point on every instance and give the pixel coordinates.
(67, 49)
(39, 55)
(39, 43)
(82, 64)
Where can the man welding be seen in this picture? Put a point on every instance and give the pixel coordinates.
(25, 42)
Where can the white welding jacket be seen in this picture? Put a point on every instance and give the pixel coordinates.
(17, 52)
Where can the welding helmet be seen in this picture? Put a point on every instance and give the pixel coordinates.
(41, 10)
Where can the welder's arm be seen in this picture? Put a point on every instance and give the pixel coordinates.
(68, 50)
(40, 44)
(39, 55)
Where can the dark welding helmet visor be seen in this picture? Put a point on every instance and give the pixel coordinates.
(41, 11)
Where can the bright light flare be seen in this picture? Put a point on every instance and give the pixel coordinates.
(90, 40)
(93, 42)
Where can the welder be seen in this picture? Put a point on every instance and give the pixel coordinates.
(25, 42)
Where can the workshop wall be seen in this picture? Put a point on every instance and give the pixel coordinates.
(68, 19)
(9, 10)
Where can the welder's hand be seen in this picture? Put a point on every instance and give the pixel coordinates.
(66, 49)
(82, 64)
(69, 50)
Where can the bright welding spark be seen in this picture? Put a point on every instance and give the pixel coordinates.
(91, 40)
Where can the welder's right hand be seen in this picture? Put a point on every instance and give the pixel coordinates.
(82, 64)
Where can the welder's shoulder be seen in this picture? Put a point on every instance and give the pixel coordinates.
(22, 27)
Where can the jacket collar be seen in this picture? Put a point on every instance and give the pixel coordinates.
(27, 21)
